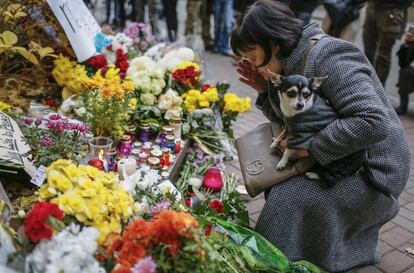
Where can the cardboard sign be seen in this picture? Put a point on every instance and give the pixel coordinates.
(79, 25)
(13, 149)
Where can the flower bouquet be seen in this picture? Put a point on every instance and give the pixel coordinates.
(107, 99)
(88, 196)
(141, 37)
(53, 138)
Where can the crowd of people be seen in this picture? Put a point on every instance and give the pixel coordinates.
(383, 24)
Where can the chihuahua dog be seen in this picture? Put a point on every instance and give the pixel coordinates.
(305, 113)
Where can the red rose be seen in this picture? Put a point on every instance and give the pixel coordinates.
(35, 223)
(217, 206)
(206, 86)
(187, 202)
(97, 61)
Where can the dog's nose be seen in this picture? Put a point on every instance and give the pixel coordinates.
(300, 106)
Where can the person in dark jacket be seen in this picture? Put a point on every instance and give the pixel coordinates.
(384, 24)
(406, 78)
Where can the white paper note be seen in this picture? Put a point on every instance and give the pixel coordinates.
(79, 25)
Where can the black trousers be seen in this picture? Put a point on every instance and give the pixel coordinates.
(406, 85)
(170, 13)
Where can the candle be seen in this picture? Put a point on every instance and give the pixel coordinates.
(130, 166)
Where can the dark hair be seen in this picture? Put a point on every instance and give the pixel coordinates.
(267, 22)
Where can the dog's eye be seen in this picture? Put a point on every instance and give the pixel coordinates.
(306, 95)
(291, 94)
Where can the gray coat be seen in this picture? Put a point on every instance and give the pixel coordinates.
(337, 228)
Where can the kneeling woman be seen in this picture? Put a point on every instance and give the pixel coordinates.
(336, 228)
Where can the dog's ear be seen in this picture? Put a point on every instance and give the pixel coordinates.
(276, 79)
(316, 82)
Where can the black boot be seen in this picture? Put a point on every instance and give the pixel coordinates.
(402, 109)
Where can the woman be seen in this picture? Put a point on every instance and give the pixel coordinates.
(336, 228)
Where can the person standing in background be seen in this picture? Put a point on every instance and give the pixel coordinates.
(406, 78)
(196, 9)
(384, 24)
(139, 13)
(303, 9)
(170, 13)
(223, 18)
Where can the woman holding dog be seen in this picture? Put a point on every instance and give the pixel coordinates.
(336, 228)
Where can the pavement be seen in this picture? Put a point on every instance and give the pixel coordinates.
(396, 237)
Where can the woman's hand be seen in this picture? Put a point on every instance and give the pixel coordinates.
(251, 77)
(297, 154)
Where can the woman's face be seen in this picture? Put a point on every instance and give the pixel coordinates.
(256, 56)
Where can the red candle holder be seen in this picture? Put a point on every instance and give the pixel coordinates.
(213, 180)
(97, 163)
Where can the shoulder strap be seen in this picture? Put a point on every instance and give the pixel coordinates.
(312, 42)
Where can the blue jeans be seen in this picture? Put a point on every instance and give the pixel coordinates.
(223, 16)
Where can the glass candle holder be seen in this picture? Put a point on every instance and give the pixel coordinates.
(100, 149)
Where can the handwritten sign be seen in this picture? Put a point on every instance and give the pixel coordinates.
(13, 150)
(79, 25)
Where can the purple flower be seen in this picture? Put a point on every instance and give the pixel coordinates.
(160, 207)
(145, 265)
(122, 75)
(47, 141)
(28, 121)
(38, 121)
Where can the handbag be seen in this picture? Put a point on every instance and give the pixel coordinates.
(258, 162)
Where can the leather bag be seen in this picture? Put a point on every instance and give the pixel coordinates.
(258, 162)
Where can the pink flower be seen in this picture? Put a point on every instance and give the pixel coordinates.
(54, 117)
(145, 265)
(28, 121)
(47, 141)
(160, 207)
(38, 121)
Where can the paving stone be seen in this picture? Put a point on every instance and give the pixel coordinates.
(403, 247)
(409, 206)
(387, 227)
(396, 236)
(384, 247)
(369, 269)
(406, 196)
(395, 262)
(404, 222)
(406, 213)
(410, 270)
(253, 219)
(255, 206)
(411, 191)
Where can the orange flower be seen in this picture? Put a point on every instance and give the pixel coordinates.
(130, 253)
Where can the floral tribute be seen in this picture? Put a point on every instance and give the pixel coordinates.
(195, 99)
(91, 197)
(160, 239)
(36, 224)
(187, 75)
(107, 98)
(54, 137)
(141, 37)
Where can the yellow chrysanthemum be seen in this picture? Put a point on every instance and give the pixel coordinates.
(4, 107)
(93, 197)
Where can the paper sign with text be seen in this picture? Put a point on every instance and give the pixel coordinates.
(13, 150)
(79, 25)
